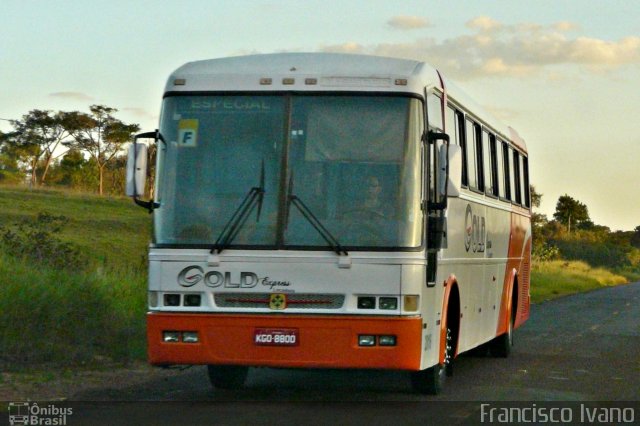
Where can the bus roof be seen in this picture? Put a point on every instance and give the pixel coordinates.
(322, 72)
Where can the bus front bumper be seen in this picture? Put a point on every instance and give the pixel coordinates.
(320, 342)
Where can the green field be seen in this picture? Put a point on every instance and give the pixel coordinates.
(82, 315)
(94, 312)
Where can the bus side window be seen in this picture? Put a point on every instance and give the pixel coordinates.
(434, 111)
(489, 165)
(470, 148)
(525, 175)
(513, 170)
(516, 177)
(477, 131)
(462, 141)
(507, 174)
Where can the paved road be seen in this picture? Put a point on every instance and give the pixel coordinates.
(580, 348)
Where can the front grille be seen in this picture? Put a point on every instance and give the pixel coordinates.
(294, 300)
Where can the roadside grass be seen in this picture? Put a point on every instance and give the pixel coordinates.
(68, 318)
(92, 314)
(557, 278)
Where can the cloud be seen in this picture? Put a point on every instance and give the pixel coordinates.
(140, 113)
(404, 22)
(497, 49)
(76, 96)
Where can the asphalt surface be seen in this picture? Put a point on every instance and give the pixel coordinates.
(579, 348)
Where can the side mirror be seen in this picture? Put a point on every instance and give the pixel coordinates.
(450, 173)
(136, 169)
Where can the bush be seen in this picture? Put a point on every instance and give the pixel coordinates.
(35, 239)
(595, 254)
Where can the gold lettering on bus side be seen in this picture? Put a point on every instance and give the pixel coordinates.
(475, 231)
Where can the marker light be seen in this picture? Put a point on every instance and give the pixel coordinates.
(387, 340)
(265, 81)
(288, 80)
(192, 300)
(411, 302)
(190, 337)
(170, 336)
(388, 303)
(401, 81)
(310, 81)
(367, 302)
(171, 300)
(366, 340)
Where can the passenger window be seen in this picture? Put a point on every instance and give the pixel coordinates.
(488, 154)
(480, 165)
(470, 148)
(525, 181)
(462, 140)
(516, 177)
(450, 125)
(507, 169)
(434, 111)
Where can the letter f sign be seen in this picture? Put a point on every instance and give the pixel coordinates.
(188, 132)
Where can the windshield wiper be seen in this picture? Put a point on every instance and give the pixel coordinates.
(313, 220)
(240, 216)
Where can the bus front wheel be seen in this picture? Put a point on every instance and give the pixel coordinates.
(431, 380)
(227, 376)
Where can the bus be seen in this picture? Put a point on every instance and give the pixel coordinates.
(318, 210)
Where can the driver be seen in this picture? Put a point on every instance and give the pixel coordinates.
(373, 201)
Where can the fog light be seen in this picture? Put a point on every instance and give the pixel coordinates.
(191, 300)
(389, 303)
(387, 340)
(411, 303)
(170, 336)
(366, 302)
(153, 299)
(171, 300)
(190, 337)
(366, 340)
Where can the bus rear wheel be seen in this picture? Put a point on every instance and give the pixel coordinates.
(500, 346)
(227, 376)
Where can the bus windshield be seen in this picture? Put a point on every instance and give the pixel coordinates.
(353, 160)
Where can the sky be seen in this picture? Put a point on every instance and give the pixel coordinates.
(564, 73)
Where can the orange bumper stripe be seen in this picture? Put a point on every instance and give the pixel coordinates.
(323, 342)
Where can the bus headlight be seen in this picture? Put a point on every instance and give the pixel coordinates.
(192, 300)
(366, 340)
(388, 303)
(170, 336)
(190, 337)
(387, 340)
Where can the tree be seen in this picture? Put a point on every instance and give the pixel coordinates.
(635, 237)
(571, 212)
(36, 137)
(100, 135)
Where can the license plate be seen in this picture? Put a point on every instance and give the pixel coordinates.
(276, 336)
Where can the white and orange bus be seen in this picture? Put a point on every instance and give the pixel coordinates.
(318, 210)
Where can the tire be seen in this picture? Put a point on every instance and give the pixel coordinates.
(227, 376)
(431, 380)
(500, 347)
